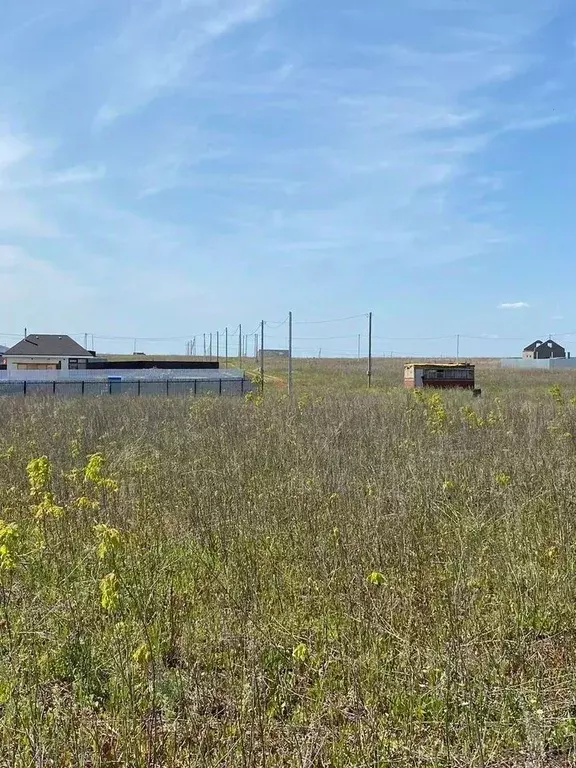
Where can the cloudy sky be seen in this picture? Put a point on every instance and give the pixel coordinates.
(170, 167)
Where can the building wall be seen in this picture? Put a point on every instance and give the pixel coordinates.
(13, 362)
(149, 362)
(409, 377)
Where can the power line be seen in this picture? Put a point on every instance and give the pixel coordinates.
(316, 338)
(492, 338)
(337, 320)
(417, 338)
(275, 324)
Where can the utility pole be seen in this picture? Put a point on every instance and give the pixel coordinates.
(370, 350)
(210, 347)
(85, 341)
(226, 345)
(240, 344)
(458, 346)
(218, 346)
(204, 337)
(256, 346)
(262, 357)
(290, 377)
(359, 345)
(135, 345)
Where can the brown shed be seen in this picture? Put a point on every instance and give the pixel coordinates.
(439, 375)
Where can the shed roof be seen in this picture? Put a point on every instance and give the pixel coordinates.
(439, 365)
(47, 345)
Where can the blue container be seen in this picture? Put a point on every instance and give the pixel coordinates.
(115, 385)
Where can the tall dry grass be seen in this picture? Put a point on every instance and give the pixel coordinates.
(344, 581)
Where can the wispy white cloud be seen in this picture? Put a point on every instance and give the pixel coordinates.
(25, 168)
(18, 214)
(28, 282)
(273, 143)
(68, 177)
(12, 150)
(189, 154)
(514, 305)
(160, 43)
(384, 149)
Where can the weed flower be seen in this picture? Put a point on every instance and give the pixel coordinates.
(109, 592)
(109, 540)
(9, 539)
(48, 508)
(39, 473)
(377, 578)
(141, 655)
(301, 652)
(93, 473)
(89, 505)
(503, 480)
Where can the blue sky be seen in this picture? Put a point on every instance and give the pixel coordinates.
(170, 167)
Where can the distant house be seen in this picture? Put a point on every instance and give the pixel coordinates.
(528, 353)
(47, 352)
(544, 350)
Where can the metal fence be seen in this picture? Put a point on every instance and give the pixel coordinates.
(554, 364)
(137, 388)
(128, 374)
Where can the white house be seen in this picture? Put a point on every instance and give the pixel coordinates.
(46, 352)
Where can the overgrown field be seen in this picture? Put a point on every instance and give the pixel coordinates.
(348, 580)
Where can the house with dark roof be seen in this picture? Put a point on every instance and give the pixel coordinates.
(544, 350)
(528, 353)
(47, 352)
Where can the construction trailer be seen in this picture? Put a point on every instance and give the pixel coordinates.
(439, 376)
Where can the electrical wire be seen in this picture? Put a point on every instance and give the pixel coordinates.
(276, 324)
(322, 322)
(316, 338)
(415, 338)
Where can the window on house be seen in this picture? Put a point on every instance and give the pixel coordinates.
(75, 364)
